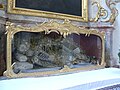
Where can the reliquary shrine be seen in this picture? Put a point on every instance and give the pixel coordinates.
(66, 44)
(52, 48)
(42, 37)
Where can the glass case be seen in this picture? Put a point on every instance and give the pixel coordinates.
(45, 49)
(38, 51)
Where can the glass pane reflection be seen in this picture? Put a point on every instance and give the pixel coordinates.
(33, 52)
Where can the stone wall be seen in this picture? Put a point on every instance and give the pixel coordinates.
(116, 36)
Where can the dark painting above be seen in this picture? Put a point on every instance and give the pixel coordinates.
(72, 7)
(60, 9)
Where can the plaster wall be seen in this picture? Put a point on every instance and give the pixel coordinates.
(116, 36)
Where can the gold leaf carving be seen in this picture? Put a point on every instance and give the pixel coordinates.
(114, 12)
(101, 12)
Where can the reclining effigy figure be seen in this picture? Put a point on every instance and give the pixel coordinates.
(48, 52)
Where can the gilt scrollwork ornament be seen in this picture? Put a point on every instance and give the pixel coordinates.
(102, 12)
(114, 12)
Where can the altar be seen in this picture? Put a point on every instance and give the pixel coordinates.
(59, 45)
(86, 80)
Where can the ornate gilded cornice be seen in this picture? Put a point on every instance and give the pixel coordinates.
(64, 28)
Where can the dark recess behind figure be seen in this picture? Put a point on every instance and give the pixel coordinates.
(72, 7)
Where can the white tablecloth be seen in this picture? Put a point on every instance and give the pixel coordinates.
(86, 80)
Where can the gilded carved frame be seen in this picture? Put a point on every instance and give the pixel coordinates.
(14, 10)
(64, 29)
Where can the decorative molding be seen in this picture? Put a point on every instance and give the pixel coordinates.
(24, 11)
(114, 12)
(103, 13)
(64, 28)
